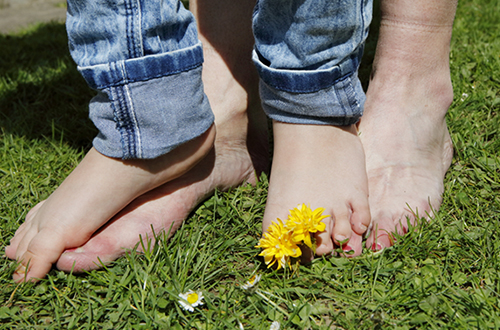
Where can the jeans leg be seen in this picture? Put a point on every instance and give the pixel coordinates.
(307, 53)
(144, 59)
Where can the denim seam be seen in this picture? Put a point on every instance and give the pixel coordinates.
(139, 36)
(139, 22)
(363, 25)
(348, 91)
(342, 106)
(126, 80)
(133, 118)
(123, 122)
(131, 11)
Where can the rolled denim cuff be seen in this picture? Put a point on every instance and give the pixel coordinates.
(318, 97)
(144, 68)
(148, 106)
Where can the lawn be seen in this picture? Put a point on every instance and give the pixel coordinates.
(445, 274)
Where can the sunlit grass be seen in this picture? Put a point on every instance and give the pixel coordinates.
(441, 275)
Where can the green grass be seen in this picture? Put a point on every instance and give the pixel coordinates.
(445, 274)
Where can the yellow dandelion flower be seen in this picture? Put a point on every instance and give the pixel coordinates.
(303, 220)
(278, 246)
(191, 299)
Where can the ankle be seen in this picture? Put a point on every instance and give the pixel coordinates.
(411, 66)
(399, 91)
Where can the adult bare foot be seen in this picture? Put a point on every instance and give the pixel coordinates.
(241, 145)
(403, 130)
(323, 166)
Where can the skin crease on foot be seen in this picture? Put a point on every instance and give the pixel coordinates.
(403, 130)
(240, 151)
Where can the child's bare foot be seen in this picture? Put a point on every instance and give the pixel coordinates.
(403, 130)
(323, 166)
(166, 207)
(241, 146)
(95, 191)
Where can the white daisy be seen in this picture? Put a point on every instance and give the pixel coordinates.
(251, 282)
(191, 299)
(275, 326)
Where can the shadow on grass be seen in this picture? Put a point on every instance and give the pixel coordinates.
(41, 92)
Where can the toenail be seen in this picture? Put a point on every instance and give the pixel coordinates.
(21, 270)
(377, 247)
(363, 227)
(347, 248)
(341, 239)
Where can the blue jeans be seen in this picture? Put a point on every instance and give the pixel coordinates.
(144, 59)
(307, 53)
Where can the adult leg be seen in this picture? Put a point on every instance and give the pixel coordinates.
(307, 54)
(154, 121)
(241, 145)
(404, 133)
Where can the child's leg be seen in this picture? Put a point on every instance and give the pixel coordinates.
(150, 111)
(307, 54)
(240, 150)
(403, 130)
